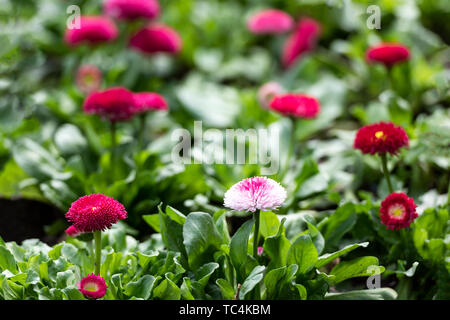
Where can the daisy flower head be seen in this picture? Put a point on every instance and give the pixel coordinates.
(113, 104)
(381, 138)
(257, 193)
(388, 54)
(270, 21)
(296, 105)
(95, 212)
(92, 30)
(93, 287)
(397, 211)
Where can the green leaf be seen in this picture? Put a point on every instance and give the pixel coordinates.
(142, 288)
(172, 234)
(186, 289)
(65, 279)
(252, 280)
(175, 215)
(226, 289)
(279, 283)
(70, 140)
(338, 224)
(303, 253)
(371, 294)
(205, 272)
(201, 238)
(38, 162)
(269, 224)
(358, 267)
(167, 290)
(7, 261)
(327, 258)
(153, 221)
(302, 291)
(239, 246)
(277, 248)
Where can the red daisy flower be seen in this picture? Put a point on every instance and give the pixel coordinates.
(93, 287)
(131, 9)
(380, 138)
(302, 40)
(388, 54)
(145, 101)
(114, 104)
(73, 231)
(297, 105)
(398, 211)
(93, 29)
(156, 38)
(88, 78)
(95, 212)
(270, 21)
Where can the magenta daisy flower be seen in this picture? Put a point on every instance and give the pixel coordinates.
(95, 212)
(92, 30)
(73, 231)
(388, 54)
(257, 193)
(146, 101)
(131, 9)
(381, 138)
(398, 211)
(156, 38)
(114, 104)
(302, 40)
(270, 21)
(93, 287)
(296, 104)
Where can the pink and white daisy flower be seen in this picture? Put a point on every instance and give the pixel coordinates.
(93, 287)
(257, 193)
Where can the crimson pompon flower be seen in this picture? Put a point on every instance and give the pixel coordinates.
(88, 78)
(131, 9)
(250, 194)
(156, 38)
(381, 138)
(95, 212)
(93, 287)
(270, 21)
(297, 105)
(73, 231)
(398, 211)
(114, 104)
(92, 30)
(267, 92)
(388, 54)
(302, 40)
(145, 101)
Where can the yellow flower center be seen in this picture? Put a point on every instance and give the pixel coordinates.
(90, 286)
(397, 210)
(94, 208)
(379, 134)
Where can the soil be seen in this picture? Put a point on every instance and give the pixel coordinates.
(25, 219)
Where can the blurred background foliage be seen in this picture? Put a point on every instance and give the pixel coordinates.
(51, 151)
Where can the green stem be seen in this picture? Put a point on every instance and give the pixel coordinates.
(386, 172)
(113, 149)
(390, 78)
(291, 148)
(142, 121)
(256, 235)
(98, 250)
